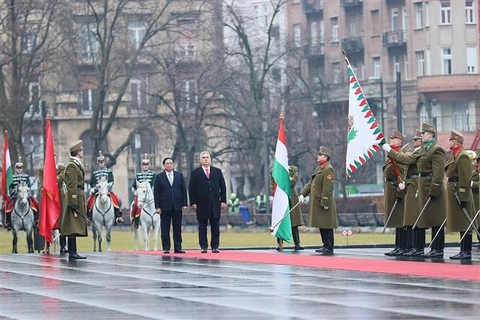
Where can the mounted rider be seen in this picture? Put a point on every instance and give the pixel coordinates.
(18, 177)
(142, 176)
(97, 175)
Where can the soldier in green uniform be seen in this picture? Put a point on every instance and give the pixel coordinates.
(74, 223)
(476, 191)
(412, 208)
(322, 213)
(296, 214)
(458, 170)
(394, 190)
(145, 175)
(430, 162)
(103, 172)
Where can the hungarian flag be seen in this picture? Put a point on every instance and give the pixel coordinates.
(281, 224)
(364, 136)
(6, 168)
(50, 211)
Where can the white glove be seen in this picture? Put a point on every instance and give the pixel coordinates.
(386, 147)
(92, 192)
(471, 183)
(325, 207)
(401, 185)
(301, 198)
(135, 193)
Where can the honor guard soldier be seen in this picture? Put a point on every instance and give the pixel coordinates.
(476, 191)
(18, 177)
(145, 175)
(107, 174)
(460, 208)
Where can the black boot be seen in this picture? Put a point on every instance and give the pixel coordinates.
(8, 221)
(136, 221)
(72, 250)
(465, 248)
(296, 239)
(63, 244)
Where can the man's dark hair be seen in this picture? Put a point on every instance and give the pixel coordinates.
(167, 158)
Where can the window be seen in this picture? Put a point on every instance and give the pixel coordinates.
(136, 33)
(420, 63)
(33, 143)
(445, 12)
(375, 22)
(469, 12)
(418, 15)
(188, 95)
(427, 14)
(261, 13)
(314, 33)
(427, 62)
(89, 99)
(334, 24)
(395, 20)
(396, 66)
(424, 115)
(34, 98)
(405, 66)
(446, 61)
(89, 46)
(28, 42)
(297, 35)
(460, 118)
(471, 59)
(336, 72)
(187, 51)
(353, 29)
(322, 31)
(138, 93)
(377, 69)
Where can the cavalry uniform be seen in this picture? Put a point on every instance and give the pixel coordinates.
(142, 176)
(430, 162)
(459, 196)
(393, 174)
(17, 179)
(322, 212)
(102, 173)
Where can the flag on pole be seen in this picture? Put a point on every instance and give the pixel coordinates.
(50, 211)
(7, 173)
(281, 224)
(364, 136)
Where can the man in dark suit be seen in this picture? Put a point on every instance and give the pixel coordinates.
(170, 194)
(208, 195)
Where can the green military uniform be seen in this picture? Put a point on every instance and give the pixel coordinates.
(142, 176)
(100, 173)
(430, 162)
(476, 193)
(16, 180)
(296, 218)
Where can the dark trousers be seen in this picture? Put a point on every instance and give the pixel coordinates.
(215, 232)
(72, 244)
(327, 238)
(466, 243)
(439, 243)
(419, 238)
(63, 241)
(296, 235)
(175, 218)
(401, 238)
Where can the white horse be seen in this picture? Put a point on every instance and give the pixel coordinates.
(22, 217)
(103, 215)
(148, 218)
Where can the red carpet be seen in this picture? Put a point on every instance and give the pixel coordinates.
(410, 268)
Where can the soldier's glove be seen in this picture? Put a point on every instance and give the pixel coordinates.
(92, 192)
(463, 204)
(386, 147)
(301, 198)
(325, 207)
(135, 193)
(401, 185)
(74, 207)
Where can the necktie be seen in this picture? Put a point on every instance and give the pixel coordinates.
(207, 173)
(170, 178)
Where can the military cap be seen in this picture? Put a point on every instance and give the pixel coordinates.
(455, 135)
(19, 164)
(428, 128)
(145, 159)
(324, 150)
(76, 146)
(100, 157)
(397, 134)
(417, 134)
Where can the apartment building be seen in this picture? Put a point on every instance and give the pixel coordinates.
(433, 45)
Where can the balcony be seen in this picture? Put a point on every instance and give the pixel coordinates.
(353, 45)
(395, 39)
(314, 50)
(449, 83)
(351, 3)
(312, 6)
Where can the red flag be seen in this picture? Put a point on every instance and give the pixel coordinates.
(50, 210)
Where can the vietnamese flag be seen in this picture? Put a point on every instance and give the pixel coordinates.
(50, 209)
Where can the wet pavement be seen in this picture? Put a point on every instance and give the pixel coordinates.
(136, 286)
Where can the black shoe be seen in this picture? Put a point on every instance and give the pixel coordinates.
(75, 256)
(63, 250)
(400, 252)
(278, 248)
(215, 251)
(392, 253)
(8, 226)
(179, 251)
(434, 254)
(413, 253)
(298, 247)
(464, 255)
(476, 245)
(166, 251)
(203, 251)
(324, 250)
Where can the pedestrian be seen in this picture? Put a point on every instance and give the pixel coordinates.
(394, 195)
(322, 212)
(261, 202)
(208, 196)
(233, 203)
(170, 194)
(74, 222)
(431, 190)
(458, 170)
